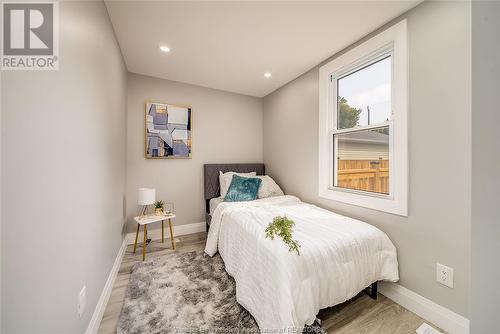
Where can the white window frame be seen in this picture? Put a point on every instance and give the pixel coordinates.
(393, 42)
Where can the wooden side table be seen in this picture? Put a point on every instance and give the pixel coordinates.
(145, 221)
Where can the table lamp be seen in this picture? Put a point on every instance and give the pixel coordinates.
(146, 196)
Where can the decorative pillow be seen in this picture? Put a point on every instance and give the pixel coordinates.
(242, 189)
(268, 187)
(226, 178)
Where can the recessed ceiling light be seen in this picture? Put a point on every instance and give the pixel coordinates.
(267, 75)
(164, 48)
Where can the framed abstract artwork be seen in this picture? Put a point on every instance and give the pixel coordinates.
(168, 131)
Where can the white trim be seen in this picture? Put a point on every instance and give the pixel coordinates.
(440, 316)
(394, 38)
(95, 321)
(155, 234)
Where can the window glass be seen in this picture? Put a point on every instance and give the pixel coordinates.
(363, 160)
(364, 96)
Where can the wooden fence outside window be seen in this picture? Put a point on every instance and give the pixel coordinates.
(367, 175)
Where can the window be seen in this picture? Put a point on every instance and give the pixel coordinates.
(363, 130)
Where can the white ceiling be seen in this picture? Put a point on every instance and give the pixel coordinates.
(229, 45)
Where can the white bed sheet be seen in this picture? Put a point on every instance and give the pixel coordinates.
(214, 202)
(339, 257)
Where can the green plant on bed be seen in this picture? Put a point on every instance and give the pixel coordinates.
(283, 227)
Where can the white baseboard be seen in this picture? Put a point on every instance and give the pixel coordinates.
(440, 316)
(95, 321)
(155, 234)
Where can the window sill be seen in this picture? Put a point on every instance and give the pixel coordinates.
(384, 203)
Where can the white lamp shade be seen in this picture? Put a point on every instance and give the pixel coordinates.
(147, 196)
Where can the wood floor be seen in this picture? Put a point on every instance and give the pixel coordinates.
(359, 315)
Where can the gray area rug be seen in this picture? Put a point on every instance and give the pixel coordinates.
(185, 293)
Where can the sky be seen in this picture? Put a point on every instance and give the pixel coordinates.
(371, 87)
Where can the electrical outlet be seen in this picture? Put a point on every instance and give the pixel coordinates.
(82, 301)
(444, 275)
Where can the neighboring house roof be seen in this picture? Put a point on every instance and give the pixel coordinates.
(367, 137)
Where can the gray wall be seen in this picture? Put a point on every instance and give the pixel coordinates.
(63, 176)
(485, 300)
(227, 127)
(438, 225)
(1, 212)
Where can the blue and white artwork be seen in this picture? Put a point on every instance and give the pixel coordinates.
(168, 131)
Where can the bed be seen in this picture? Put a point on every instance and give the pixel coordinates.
(339, 256)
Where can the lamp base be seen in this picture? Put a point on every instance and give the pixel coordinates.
(144, 210)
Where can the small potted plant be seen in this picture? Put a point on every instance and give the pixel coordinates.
(159, 207)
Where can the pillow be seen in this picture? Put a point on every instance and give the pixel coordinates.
(226, 178)
(268, 187)
(242, 189)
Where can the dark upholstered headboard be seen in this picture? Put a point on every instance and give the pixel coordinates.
(211, 176)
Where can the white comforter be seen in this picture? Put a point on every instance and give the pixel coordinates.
(339, 257)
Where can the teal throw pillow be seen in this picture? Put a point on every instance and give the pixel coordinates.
(243, 189)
